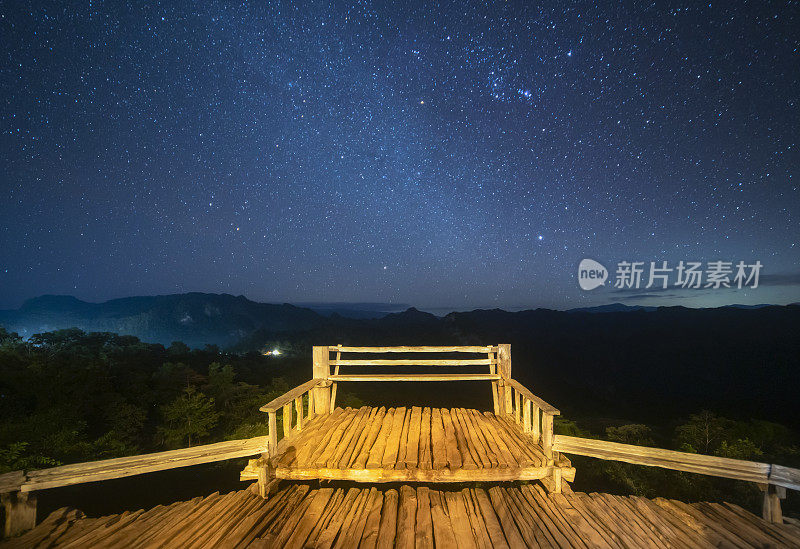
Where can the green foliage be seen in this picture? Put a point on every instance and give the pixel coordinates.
(634, 433)
(563, 426)
(189, 417)
(68, 396)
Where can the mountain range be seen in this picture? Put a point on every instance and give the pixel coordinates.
(744, 360)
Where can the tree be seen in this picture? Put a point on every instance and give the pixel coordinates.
(188, 417)
(703, 433)
(634, 433)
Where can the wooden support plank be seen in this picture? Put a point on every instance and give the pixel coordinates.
(360, 461)
(443, 535)
(467, 460)
(349, 439)
(369, 537)
(388, 527)
(517, 407)
(437, 440)
(379, 447)
(458, 516)
(425, 457)
(414, 430)
(392, 449)
(424, 528)
(454, 460)
(403, 443)
(407, 518)
(375, 418)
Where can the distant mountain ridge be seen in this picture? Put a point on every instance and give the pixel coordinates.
(195, 318)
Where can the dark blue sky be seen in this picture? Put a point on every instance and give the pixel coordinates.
(443, 155)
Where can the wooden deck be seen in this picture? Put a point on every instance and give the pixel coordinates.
(505, 515)
(413, 445)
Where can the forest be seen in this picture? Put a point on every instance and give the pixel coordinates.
(69, 396)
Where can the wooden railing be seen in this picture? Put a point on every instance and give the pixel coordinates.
(20, 503)
(294, 398)
(773, 479)
(508, 395)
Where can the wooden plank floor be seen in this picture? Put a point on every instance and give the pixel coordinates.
(411, 444)
(507, 515)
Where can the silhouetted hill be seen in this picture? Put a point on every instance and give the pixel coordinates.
(668, 362)
(196, 319)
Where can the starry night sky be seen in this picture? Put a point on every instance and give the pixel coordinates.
(448, 156)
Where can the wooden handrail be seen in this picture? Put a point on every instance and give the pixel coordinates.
(524, 391)
(414, 362)
(415, 349)
(750, 471)
(92, 471)
(277, 403)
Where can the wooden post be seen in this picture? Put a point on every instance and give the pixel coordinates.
(771, 510)
(20, 510)
(557, 480)
(547, 436)
(517, 406)
(298, 408)
(273, 434)
(504, 369)
(287, 419)
(535, 425)
(495, 386)
(335, 385)
(526, 415)
(322, 395)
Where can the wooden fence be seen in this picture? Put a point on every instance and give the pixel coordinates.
(773, 479)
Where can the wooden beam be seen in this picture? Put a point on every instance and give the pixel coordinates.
(544, 406)
(784, 476)
(415, 377)
(423, 475)
(414, 362)
(416, 349)
(11, 482)
(93, 471)
(666, 459)
(275, 404)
